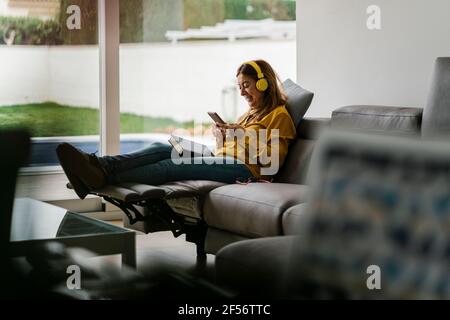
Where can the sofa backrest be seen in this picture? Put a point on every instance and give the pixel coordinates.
(436, 115)
(433, 120)
(378, 119)
(397, 121)
(298, 100)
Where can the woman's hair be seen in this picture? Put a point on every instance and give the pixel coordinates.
(273, 96)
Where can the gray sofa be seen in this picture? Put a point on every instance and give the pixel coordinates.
(256, 230)
(264, 266)
(238, 212)
(213, 215)
(231, 213)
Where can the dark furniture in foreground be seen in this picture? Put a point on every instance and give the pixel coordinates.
(35, 223)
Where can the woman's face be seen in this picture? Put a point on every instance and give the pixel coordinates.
(247, 87)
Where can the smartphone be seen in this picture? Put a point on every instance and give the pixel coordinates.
(176, 145)
(216, 117)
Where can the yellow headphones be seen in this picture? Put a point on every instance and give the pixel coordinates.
(262, 83)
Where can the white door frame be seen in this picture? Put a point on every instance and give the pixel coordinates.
(109, 41)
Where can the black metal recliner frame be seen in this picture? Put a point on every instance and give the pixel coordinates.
(161, 217)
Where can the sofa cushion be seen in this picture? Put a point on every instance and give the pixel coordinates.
(130, 191)
(299, 100)
(189, 188)
(186, 197)
(252, 210)
(295, 166)
(257, 266)
(293, 219)
(381, 119)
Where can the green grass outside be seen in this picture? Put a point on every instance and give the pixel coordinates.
(51, 119)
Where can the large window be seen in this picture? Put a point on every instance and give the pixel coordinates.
(49, 82)
(178, 60)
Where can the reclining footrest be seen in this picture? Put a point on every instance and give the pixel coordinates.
(157, 214)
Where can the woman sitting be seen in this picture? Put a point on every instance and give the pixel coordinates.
(253, 148)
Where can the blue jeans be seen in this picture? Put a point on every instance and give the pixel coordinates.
(154, 165)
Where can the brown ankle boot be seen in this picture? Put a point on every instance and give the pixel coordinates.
(83, 166)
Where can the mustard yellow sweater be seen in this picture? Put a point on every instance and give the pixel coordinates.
(258, 148)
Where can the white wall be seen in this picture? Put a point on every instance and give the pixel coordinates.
(186, 80)
(24, 75)
(182, 81)
(41, 73)
(74, 75)
(3, 7)
(345, 63)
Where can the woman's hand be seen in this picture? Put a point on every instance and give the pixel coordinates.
(218, 132)
(229, 126)
(223, 131)
(230, 129)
